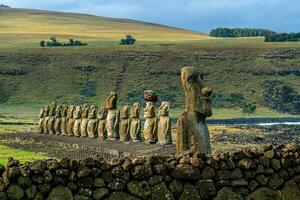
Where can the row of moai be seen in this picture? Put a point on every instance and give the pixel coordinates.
(109, 123)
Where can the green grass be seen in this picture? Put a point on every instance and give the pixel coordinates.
(22, 156)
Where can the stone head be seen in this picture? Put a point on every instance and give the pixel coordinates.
(58, 111)
(92, 112)
(102, 113)
(164, 109)
(150, 95)
(111, 101)
(77, 112)
(64, 110)
(125, 112)
(52, 109)
(71, 111)
(197, 94)
(135, 110)
(149, 111)
(85, 111)
(46, 111)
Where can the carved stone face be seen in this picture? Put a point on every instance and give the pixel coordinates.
(135, 110)
(52, 109)
(102, 113)
(197, 94)
(77, 112)
(111, 101)
(149, 111)
(125, 112)
(164, 109)
(58, 111)
(71, 111)
(92, 112)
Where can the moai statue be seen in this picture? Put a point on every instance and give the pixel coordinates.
(193, 133)
(84, 121)
(57, 122)
(150, 126)
(71, 121)
(164, 124)
(77, 121)
(113, 117)
(64, 120)
(46, 120)
(101, 130)
(41, 121)
(92, 122)
(135, 123)
(52, 112)
(124, 124)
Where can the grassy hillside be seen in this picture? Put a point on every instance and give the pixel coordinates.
(28, 27)
(31, 76)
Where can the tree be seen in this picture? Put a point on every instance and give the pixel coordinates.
(42, 43)
(128, 40)
(248, 108)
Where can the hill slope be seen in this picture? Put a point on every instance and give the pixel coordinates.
(25, 26)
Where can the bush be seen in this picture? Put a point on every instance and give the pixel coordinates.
(283, 37)
(239, 32)
(128, 40)
(248, 108)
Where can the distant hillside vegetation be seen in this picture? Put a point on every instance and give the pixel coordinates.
(3, 6)
(283, 37)
(240, 32)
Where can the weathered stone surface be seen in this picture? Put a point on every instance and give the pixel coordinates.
(99, 182)
(291, 190)
(236, 174)
(161, 192)
(135, 123)
(222, 175)
(176, 188)
(113, 117)
(207, 189)
(139, 189)
(155, 179)
(275, 181)
(142, 172)
(164, 124)
(262, 179)
(30, 192)
(239, 183)
(190, 192)
(247, 164)
(100, 193)
(228, 194)
(121, 196)
(3, 196)
(186, 172)
(85, 191)
(117, 184)
(150, 126)
(81, 197)
(60, 193)
(24, 182)
(15, 192)
(193, 133)
(264, 194)
(208, 173)
(102, 114)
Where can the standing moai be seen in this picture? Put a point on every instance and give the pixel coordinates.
(57, 122)
(124, 124)
(193, 133)
(41, 121)
(101, 115)
(71, 120)
(64, 120)
(135, 123)
(113, 117)
(51, 121)
(92, 122)
(77, 121)
(46, 120)
(164, 124)
(150, 126)
(84, 121)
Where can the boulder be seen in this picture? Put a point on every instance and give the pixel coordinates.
(100, 193)
(176, 187)
(207, 189)
(190, 192)
(228, 194)
(291, 190)
(161, 192)
(139, 189)
(121, 196)
(60, 193)
(30, 192)
(275, 181)
(186, 172)
(15, 192)
(247, 164)
(264, 194)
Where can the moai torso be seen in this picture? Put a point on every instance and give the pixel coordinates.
(71, 120)
(46, 120)
(64, 120)
(77, 121)
(135, 123)
(164, 124)
(57, 122)
(113, 117)
(150, 126)
(52, 119)
(84, 121)
(92, 122)
(193, 133)
(41, 121)
(124, 124)
(102, 114)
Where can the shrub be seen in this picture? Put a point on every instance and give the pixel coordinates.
(248, 108)
(128, 40)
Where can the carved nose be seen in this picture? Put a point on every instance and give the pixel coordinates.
(206, 91)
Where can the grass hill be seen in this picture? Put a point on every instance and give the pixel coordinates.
(240, 70)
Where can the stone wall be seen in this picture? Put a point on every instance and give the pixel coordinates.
(253, 173)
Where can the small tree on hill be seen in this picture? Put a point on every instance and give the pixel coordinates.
(128, 40)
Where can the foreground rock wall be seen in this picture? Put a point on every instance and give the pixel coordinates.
(264, 173)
